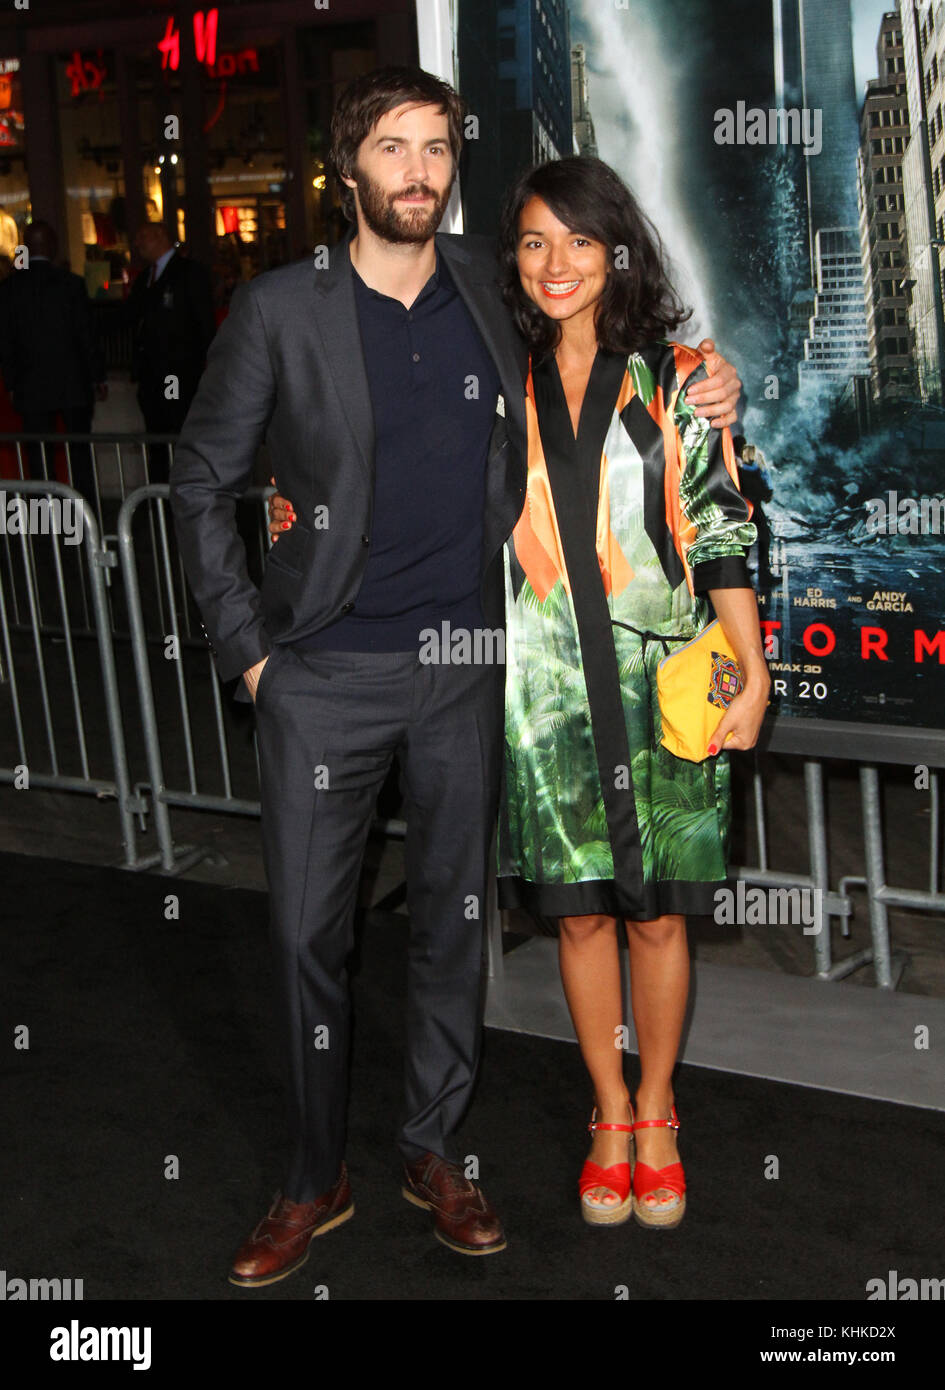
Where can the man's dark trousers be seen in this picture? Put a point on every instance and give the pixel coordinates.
(328, 726)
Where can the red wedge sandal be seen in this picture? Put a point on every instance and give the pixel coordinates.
(647, 1179)
(616, 1179)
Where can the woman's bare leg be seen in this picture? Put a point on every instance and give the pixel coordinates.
(590, 973)
(659, 990)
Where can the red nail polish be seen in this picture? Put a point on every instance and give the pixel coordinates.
(285, 526)
(713, 748)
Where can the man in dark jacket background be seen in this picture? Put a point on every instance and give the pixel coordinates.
(171, 307)
(52, 363)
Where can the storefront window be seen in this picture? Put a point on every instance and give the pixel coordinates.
(158, 97)
(245, 132)
(330, 58)
(97, 237)
(14, 189)
(264, 203)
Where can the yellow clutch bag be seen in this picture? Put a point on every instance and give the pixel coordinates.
(696, 685)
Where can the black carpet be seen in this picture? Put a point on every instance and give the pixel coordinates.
(151, 1051)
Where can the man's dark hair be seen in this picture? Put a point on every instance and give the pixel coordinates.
(158, 227)
(368, 98)
(638, 304)
(40, 239)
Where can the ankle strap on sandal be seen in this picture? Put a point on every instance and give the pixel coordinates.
(596, 1124)
(657, 1124)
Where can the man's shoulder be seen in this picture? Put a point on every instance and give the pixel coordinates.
(284, 283)
(469, 248)
(186, 267)
(470, 241)
(52, 278)
(67, 282)
(76, 283)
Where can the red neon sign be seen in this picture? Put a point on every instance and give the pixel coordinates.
(169, 46)
(205, 40)
(235, 64)
(205, 37)
(85, 74)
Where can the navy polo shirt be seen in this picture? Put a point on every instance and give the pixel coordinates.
(433, 388)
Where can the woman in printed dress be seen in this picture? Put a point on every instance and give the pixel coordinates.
(633, 523)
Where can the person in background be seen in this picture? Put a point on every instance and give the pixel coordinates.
(171, 308)
(52, 362)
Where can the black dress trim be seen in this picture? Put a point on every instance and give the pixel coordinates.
(602, 896)
(651, 446)
(574, 475)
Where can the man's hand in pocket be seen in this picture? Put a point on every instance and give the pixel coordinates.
(251, 677)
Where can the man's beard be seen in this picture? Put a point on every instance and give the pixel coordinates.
(410, 225)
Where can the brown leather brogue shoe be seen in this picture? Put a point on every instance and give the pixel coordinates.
(464, 1219)
(280, 1243)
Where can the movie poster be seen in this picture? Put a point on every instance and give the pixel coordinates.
(788, 152)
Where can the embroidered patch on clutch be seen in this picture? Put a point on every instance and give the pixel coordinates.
(725, 679)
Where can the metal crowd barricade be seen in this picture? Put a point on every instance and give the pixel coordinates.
(53, 676)
(882, 895)
(826, 904)
(171, 663)
(181, 662)
(104, 468)
(890, 746)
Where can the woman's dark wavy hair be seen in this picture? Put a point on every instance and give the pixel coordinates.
(638, 303)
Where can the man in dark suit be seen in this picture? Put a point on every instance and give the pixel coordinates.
(389, 384)
(51, 359)
(171, 307)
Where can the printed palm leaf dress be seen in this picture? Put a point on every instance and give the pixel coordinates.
(624, 531)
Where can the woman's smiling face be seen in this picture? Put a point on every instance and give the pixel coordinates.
(561, 270)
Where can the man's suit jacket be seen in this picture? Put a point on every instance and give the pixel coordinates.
(174, 323)
(48, 348)
(287, 366)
